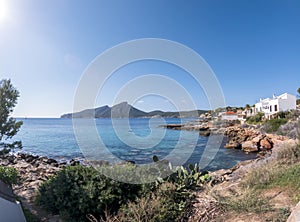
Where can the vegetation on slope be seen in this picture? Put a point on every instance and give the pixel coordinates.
(80, 192)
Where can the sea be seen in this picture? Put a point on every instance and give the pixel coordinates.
(136, 139)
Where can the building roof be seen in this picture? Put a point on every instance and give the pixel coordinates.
(230, 113)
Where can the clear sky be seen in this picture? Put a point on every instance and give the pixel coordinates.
(253, 46)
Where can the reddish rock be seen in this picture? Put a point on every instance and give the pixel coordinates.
(266, 144)
(249, 147)
(232, 145)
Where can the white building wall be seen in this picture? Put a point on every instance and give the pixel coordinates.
(287, 102)
(229, 117)
(258, 107)
(283, 102)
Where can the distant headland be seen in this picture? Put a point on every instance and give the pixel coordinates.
(125, 110)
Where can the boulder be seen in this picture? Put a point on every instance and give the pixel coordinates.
(249, 147)
(50, 161)
(257, 139)
(204, 133)
(265, 143)
(233, 145)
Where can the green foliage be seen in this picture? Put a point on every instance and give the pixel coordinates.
(247, 202)
(257, 118)
(79, 190)
(9, 175)
(284, 171)
(8, 125)
(287, 177)
(165, 204)
(298, 101)
(188, 178)
(273, 125)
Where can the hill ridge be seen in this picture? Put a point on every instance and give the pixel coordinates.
(125, 110)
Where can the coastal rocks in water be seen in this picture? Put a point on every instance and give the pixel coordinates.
(204, 133)
(250, 140)
(233, 145)
(190, 126)
(249, 147)
(74, 162)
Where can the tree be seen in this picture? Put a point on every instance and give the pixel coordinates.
(9, 127)
(298, 90)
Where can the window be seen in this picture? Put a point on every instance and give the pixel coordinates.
(275, 108)
(270, 108)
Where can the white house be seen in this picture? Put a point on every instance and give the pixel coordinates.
(229, 115)
(277, 104)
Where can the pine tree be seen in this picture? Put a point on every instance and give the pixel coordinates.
(9, 126)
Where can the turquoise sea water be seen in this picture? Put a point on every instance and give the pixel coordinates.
(144, 138)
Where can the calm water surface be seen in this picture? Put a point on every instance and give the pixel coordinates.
(55, 138)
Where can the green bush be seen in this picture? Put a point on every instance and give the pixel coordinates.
(188, 178)
(257, 118)
(273, 125)
(9, 175)
(165, 204)
(77, 191)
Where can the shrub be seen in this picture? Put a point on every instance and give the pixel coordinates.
(257, 118)
(273, 125)
(77, 191)
(290, 129)
(165, 204)
(188, 178)
(9, 175)
(249, 201)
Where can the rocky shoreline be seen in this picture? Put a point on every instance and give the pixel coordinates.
(34, 170)
(244, 137)
(251, 140)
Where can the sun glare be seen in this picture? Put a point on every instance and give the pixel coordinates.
(3, 10)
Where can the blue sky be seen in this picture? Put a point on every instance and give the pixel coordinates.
(252, 46)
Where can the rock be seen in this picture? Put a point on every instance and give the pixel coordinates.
(49, 161)
(204, 133)
(257, 139)
(74, 162)
(249, 147)
(11, 159)
(233, 145)
(54, 164)
(266, 144)
(23, 165)
(29, 159)
(4, 162)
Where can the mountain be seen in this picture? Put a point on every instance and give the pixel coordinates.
(124, 110)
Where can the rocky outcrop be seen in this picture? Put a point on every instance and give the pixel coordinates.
(33, 171)
(192, 127)
(251, 140)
